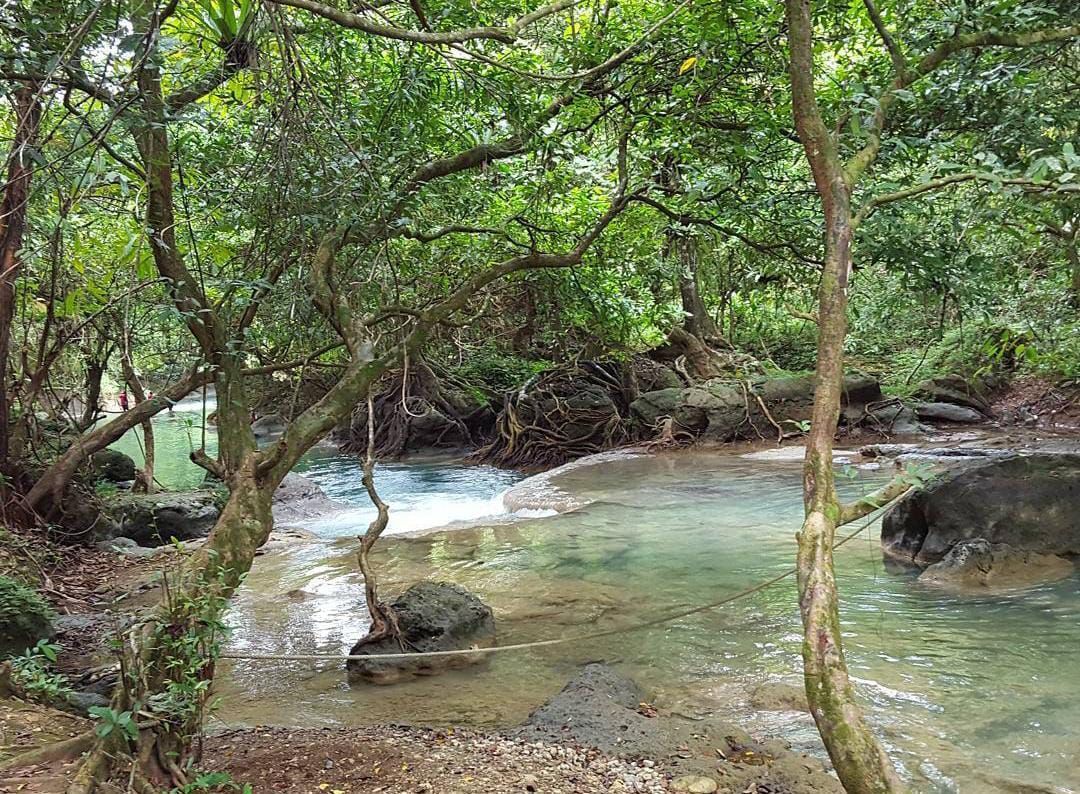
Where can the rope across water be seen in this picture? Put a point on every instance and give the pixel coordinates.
(757, 588)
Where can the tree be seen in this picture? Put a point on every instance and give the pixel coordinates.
(860, 762)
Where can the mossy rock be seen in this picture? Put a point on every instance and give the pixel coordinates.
(25, 618)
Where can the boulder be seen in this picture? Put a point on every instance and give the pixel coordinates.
(978, 564)
(720, 410)
(894, 418)
(298, 498)
(779, 696)
(947, 412)
(25, 618)
(113, 465)
(956, 390)
(1030, 502)
(599, 708)
(269, 428)
(155, 519)
(654, 376)
(433, 616)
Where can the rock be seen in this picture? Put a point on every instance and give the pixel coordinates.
(947, 412)
(268, 428)
(598, 708)
(25, 618)
(779, 696)
(298, 498)
(155, 519)
(1030, 502)
(118, 545)
(720, 410)
(82, 702)
(433, 616)
(979, 564)
(694, 784)
(894, 419)
(530, 782)
(956, 390)
(113, 465)
(653, 376)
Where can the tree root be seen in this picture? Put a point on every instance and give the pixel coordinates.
(57, 751)
(558, 416)
(411, 394)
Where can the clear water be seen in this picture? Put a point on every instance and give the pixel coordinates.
(970, 694)
(176, 434)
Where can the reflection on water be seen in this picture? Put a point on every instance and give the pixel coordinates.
(962, 689)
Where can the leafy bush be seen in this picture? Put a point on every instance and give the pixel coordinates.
(497, 371)
(22, 610)
(32, 672)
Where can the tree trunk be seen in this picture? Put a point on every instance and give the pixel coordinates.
(698, 320)
(13, 211)
(1072, 253)
(95, 371)
(861, 764)
(144, 479)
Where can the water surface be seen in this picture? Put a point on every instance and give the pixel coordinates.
(964, 690)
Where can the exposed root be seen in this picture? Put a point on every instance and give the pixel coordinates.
(58, 751)
(561, 415)
(413, 407)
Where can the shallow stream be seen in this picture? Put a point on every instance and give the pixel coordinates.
(967, 692)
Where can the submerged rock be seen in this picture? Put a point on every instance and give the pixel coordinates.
(113, 465)
(433, 616)
(156, 519)
(979, 564)
(298, 497)
(1030, 502)
(779, 696)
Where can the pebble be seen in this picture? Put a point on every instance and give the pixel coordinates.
(693, 784)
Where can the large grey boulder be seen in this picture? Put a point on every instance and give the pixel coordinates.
(155, 519)
(432, 616)
(1030, 502)
(956, 390)
(298, 498)
(947, 412)
(978, 564)
(113, 465)
(721, 410)
(269, 428)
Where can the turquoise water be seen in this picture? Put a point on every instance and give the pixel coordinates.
(968, 692)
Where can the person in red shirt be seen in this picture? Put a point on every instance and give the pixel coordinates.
(123, 400)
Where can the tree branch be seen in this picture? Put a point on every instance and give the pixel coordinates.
(937, 184)
(931, 61)
(892, 490)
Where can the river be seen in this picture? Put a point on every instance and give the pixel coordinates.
(965, 690)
